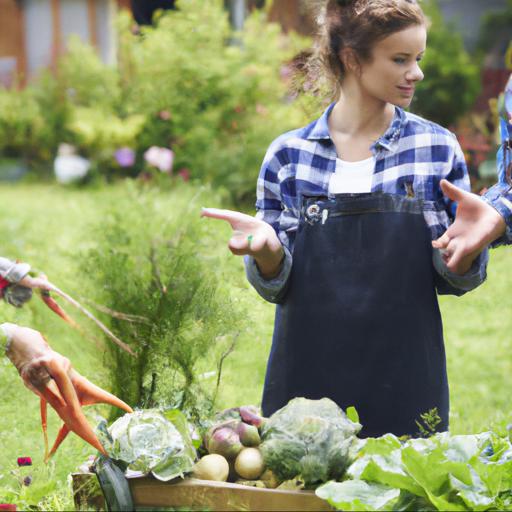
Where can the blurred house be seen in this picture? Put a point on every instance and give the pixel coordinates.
(33, 33)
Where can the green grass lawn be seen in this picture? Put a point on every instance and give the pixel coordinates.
(49, 227)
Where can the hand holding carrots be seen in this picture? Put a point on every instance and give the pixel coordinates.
(251, 236)
(52, 377)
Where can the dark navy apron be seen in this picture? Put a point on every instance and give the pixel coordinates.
(360, 322)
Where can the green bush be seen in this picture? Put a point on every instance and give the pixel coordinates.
(21, 123)
(452, 79)
(153, 260)
(495, 27)
(182, 84)
(218, 106)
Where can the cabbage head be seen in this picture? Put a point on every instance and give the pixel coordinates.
(309, 439)
(146, 441)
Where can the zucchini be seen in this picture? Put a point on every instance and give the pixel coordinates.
(114, 485)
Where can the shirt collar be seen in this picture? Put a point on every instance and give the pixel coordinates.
(392, 134)
(320, 129)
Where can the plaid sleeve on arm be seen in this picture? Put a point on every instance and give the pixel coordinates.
(270, 209)
(13, 271)
(458, 176)
(499, 197)
(449, 283)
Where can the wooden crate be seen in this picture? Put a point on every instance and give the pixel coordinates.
(193, 494)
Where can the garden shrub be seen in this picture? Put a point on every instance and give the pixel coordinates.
(181, 84)
(21, 122)
(218, 106)
(153, 260)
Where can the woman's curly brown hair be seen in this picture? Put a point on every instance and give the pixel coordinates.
(355, 24)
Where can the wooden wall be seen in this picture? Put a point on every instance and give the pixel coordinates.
(292, 15)
(12, 44)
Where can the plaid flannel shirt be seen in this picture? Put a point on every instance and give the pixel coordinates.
(411, 157)
(500, 195)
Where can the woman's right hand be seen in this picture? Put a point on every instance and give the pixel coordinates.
(253, 237)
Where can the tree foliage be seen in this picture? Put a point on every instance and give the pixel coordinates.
(452, 78)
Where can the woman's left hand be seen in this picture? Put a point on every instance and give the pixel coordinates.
(476, 225)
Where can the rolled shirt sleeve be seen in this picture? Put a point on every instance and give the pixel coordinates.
(499, 197)
(272, 290)
(5, 337)
(12, 271)
(447, 282)
(450, 283)
(271, 210)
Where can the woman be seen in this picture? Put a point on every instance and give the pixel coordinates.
(347, 209)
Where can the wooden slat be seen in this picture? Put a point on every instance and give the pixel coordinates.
(56, 33)
(205, 494)
(12, 41)
(91, 19)
(291, 16)
(22, 49)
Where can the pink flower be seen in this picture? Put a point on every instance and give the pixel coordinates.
(165, 115)
(125, 157)
(8, 506)
(161, 158)
(261, 109)
(24, 461)
(184, 173)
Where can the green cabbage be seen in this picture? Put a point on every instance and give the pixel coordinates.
(147, 442)
(309, 439)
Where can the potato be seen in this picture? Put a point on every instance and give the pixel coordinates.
(212, 467)
(249, 463)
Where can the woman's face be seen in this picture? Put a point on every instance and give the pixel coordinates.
(393, 71)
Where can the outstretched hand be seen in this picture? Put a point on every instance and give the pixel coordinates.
(251, 236)
(476, 225)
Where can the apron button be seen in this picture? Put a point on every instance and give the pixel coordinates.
(313, 213)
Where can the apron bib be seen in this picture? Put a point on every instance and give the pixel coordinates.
(360, 323)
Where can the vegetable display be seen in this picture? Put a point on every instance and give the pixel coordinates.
(313, 444)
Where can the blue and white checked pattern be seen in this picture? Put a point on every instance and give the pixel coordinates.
(413, 153)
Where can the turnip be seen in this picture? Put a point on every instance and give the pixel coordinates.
(249, 464)
(212, 467)
(251, 415)
(249, 435)
(225, 442)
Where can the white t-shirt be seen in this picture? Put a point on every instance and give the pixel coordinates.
(352, 177)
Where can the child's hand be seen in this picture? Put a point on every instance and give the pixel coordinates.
(253, 237)
(476, 225)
